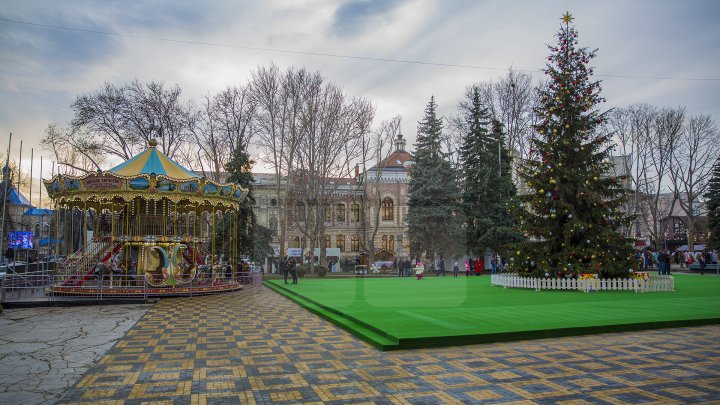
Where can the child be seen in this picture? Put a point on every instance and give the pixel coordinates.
(456, 270)
(419, 270)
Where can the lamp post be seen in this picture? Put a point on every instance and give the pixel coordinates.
(399, 256)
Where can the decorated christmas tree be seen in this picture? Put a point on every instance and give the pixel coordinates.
(572, 206)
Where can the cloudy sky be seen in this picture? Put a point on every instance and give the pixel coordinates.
(663, 52)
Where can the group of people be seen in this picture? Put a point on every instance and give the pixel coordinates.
(662, 258)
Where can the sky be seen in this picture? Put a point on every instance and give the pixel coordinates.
(661, 52)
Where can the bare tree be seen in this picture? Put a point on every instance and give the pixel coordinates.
(331, 129)
(276, 97)
(119, 121)
(692, 163)
(76, 152)
(222, 125)
(375, 149)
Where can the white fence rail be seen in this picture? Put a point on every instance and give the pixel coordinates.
(653, 283)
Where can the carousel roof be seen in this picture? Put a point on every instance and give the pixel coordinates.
(152, 161)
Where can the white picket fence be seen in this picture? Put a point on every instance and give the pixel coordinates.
(654, 283)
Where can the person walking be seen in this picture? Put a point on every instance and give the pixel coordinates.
(667, 262)
(419, 270)
(441, 267)
(456, 270)
(493, 265)
(468, 264)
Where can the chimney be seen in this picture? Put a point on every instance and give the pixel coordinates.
(357, 170)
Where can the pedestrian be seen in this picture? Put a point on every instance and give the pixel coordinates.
(667, 263)
(419, 270)
(467, 266)
(441, 267)
(284, 268)
(456, 270)
(701, 262)
(479, 266)
(493, 265)
(292, 269)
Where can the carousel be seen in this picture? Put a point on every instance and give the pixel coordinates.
(149, 227)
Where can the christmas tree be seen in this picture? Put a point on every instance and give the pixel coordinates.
(487, 187)
(572, 208)
(713, 205)
(434, 215)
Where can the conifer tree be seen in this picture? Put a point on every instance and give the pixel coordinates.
(572, 209)
(713, 206)
(434, 216)
(487, 186)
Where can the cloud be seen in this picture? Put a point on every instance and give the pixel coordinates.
(356, 16)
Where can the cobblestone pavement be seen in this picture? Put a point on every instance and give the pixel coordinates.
(44, 351)
(258, 347)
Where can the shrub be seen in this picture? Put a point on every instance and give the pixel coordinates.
(321, 271)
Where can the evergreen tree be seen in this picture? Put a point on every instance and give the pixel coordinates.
(487, 186)
(434, 217)
(713, 205)
(572, 210)
(253, 240)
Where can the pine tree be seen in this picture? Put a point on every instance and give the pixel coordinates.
(713, 205)
(434, 217)
(487, 186)
(572, 210)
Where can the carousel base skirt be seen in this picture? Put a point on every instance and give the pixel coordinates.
(144, 291)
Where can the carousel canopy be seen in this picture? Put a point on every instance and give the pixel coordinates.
(149, 175)
(153, 162)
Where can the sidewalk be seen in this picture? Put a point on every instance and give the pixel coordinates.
(256, 347)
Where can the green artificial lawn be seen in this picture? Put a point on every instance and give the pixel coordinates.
(398, 313)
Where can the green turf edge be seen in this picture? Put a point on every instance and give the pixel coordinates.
(386, 342)
(368, 333)
(444, 341)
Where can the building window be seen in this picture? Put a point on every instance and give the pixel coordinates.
(327, 241)
(355, 212)
(340, 212)
(299, 211)
(354, 243)
(273, 202)
(387, 209)
(296, 242)
(391, 243)
(340, 242)
(273, 226)
(328, 213)
(384, 242)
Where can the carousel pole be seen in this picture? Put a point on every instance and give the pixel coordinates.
(42, 215)
(6, 175)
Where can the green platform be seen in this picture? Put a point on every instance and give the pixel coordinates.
(405, 313)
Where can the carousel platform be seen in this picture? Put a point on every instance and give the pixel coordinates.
(145, 290)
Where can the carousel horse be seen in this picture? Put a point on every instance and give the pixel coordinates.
(105, 270)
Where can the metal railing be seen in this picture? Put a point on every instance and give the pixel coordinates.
(47, 286)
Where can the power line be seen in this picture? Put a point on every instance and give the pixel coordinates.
(331, 55)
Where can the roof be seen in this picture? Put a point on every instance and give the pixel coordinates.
(151, 161)
(14, 197)
(38, 211)
(399, 159)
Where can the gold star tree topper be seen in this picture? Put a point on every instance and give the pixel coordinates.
(567, 18)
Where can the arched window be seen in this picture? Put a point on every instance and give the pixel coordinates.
(355, 212)
(340, 242)
(273, 202)
(387, 209)
(354, 243)
(391, 243)
(273, 226)
(327, 241)
(299, 211)
(296, 242)
(340, 212)
(328, 213)
(384, 242)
